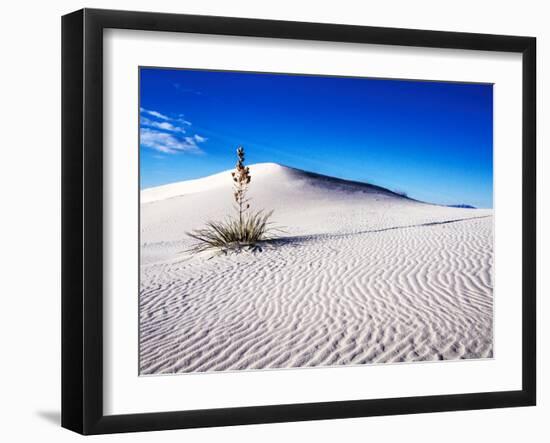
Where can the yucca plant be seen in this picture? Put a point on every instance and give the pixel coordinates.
(245, 230)
(233, 234)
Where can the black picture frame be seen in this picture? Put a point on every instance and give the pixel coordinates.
(82, 218)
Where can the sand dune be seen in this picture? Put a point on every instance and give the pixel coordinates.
(360, 275)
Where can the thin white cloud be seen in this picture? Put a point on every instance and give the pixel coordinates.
(165, 125)
(154, 114)
(181, 119)
(182, 89)
(164, 134)
(168, 143)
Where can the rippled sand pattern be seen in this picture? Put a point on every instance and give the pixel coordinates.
(386, 280)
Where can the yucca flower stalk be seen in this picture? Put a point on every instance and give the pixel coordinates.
(241, 179)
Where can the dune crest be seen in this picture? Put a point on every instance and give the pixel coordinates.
(262, 172)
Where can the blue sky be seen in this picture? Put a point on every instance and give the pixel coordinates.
(432, 140)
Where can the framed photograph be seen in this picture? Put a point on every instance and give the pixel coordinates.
(268, 221)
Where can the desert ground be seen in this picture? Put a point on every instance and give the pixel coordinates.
(358, 275)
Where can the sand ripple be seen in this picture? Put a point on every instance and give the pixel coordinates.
(394, 292)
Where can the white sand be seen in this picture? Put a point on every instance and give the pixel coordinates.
(363, 276)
